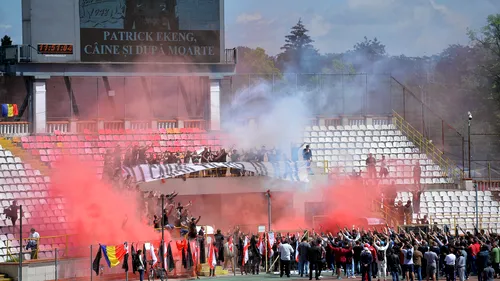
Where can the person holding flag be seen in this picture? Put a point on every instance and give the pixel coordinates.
(255, 255)
(229, 253)
(212, 258)
(243, 249)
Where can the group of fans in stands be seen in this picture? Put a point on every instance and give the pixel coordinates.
(115, 159)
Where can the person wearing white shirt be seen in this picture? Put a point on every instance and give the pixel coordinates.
(285, 251)
(408, 261)
(33, 243)
(381, 258)
(450, 261)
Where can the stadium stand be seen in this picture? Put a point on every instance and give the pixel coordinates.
(93, 146)
(345, 146)
(28, 187)
(348, 146)
(457, 207)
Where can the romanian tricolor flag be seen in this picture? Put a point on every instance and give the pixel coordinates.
(113, 254)
(9, 110)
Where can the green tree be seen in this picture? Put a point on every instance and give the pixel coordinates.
(370, 49)
(254, 67)
(255, 61)
(6, 41)
(299, 54)
(338, 65)
(487, 39)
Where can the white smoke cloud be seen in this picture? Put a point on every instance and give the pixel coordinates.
(279, 116)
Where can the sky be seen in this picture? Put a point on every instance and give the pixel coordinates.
(409, 27)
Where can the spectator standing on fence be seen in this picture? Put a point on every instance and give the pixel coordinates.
(307, 156)
(408, 212)
(417, 173)
(33, 243)
(11, 212)
(370, 166)
(384, 172)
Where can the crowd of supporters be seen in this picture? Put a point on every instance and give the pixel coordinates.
(131, 156)
(380, 254)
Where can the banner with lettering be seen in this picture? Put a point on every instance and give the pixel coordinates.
(281, 170)
(150, 31)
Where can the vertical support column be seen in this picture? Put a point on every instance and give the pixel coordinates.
(73, 125)
(321, 121)
(180, 123)
(214, 105)
(39, 106)
(344, 121)
(368, 120)
(127, 124)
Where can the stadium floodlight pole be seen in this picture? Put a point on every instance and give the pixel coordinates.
(470, 174)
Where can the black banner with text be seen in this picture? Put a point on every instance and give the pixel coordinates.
(150, 31)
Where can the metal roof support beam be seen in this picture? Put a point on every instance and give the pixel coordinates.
(75, 112)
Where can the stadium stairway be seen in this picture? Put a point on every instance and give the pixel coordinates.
(427, 146)
(344, 149)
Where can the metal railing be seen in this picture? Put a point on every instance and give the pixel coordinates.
(75, 262)
(427, 147)
(14, 129)
(230, 56)
(54, 243)
(15, 54)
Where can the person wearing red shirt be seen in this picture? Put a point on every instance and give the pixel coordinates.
(373, 251)
(474, 249)
(340, 254)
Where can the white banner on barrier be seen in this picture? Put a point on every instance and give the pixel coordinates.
(287, 171)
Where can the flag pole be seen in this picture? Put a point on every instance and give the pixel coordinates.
(20, 278)
(162, 229)
(126, 261)
(91, 263)
(265, 241)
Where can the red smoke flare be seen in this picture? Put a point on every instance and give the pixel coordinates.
(348, 202)
(100, 212)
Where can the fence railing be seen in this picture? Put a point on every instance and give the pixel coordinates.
(65, 260)
(426, 146)
(10, 129)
